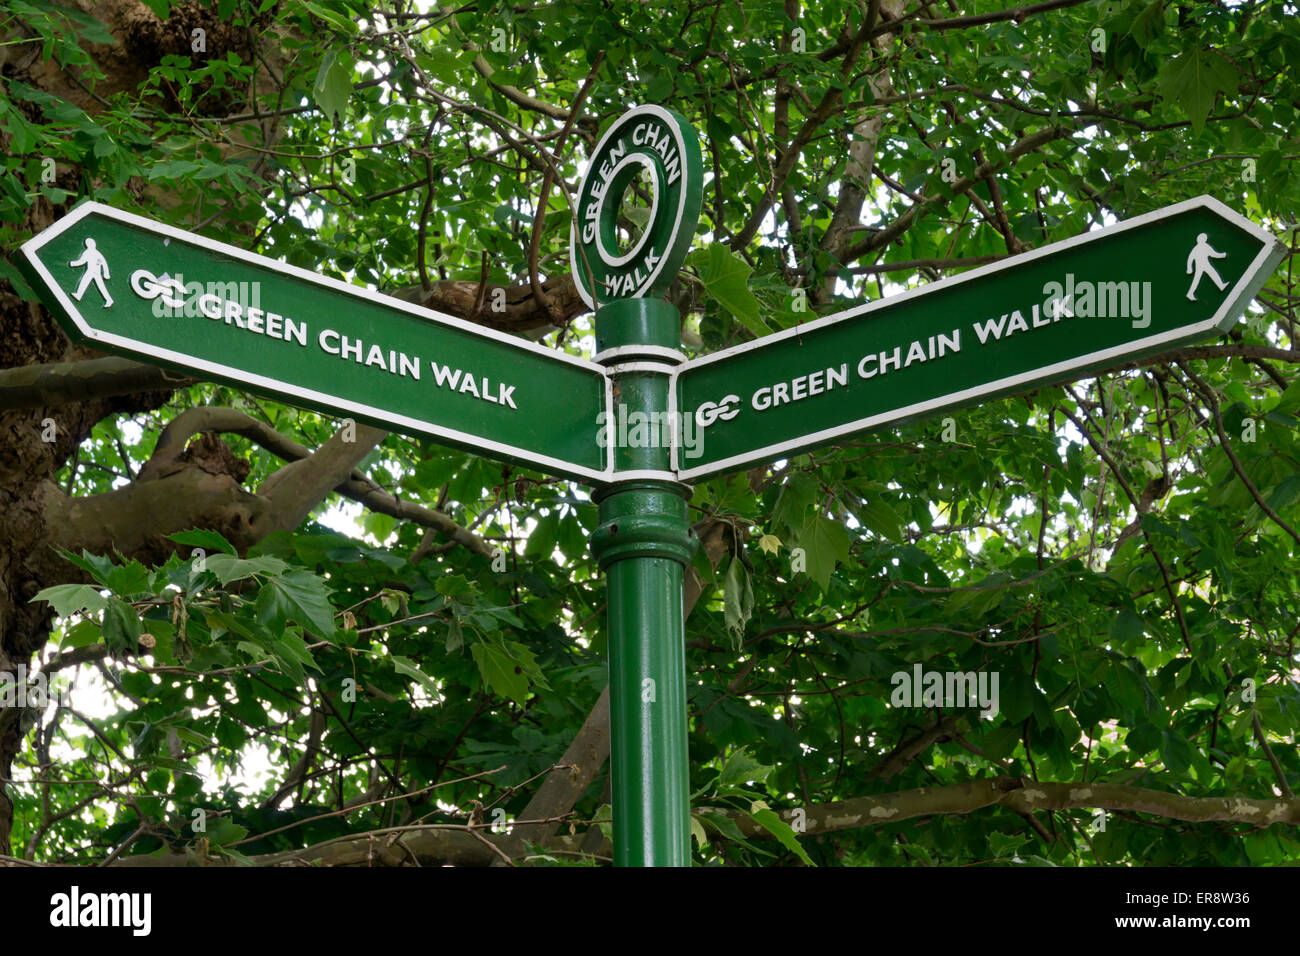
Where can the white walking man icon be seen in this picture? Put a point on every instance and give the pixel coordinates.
(96, 272)
(1200, 256)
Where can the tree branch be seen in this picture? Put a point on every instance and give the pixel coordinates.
(862, 151)
(65, 383)
(830, 102)
(296, 774)
(1018, 14)
(300, 486)
(518, 96)
(523, 314)
(1026, 144)
(171, 444)
(455, 845)
(1226, 444)
(135, 520)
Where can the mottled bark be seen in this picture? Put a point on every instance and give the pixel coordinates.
(862, 148)
(516, 311)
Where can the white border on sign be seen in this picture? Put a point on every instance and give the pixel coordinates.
(32, 247)
(1271, 253)
(579, 275)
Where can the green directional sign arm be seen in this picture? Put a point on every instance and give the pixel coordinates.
(126, 284)
(1140, 287)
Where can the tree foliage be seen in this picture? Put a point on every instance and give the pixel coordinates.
(384, 670)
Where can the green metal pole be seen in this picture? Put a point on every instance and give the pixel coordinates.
(643, 544)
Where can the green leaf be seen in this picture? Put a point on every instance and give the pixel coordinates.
(825, 542)
(541, 542)
(333, 18)
(404, 665)
(164, 635)
(1016, 699)
(82, 634)
(128, 579)
(605, 814)
(1127, 625)
(1143, 739)
(121, 627)
(879, 517)
(221, 831)
(90, 29)
(797, 495)
(1193, 79)
(1149, 23)
(506, 667)
(740, 769)
(1001, 741)
(14, 277)
(68, 599)
(234, 624)
(291, 646)
(698, 832)
(308, 596)
(981, 597)
(725, 825)
(272, 608)
(1289, 400)
(333, 83)
(1006, 844)
(97, 567)
(432, 473)
(738, 599)
(1286, 491)
(378, 524)
(726, 280)
(55, 195)
(441, 64)
(209, 541)
(455, 637)
(774, 825)
(498, 671)
(1176, 752)
(173, 170)
(916, 851)
(228, 568)
(455, 587)
(235, 855)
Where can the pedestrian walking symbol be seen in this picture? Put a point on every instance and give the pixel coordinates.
(1200, 257)
(96, 272)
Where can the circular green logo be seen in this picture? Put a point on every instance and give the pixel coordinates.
(657, 146)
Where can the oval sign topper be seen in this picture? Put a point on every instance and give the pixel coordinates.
(658, 141)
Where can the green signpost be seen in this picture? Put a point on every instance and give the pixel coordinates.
(643, 541)
(1142, 286)
(127, 284)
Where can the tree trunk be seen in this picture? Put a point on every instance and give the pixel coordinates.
(38, 441)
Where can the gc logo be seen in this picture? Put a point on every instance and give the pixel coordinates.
(148, 286)
(710, 412)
